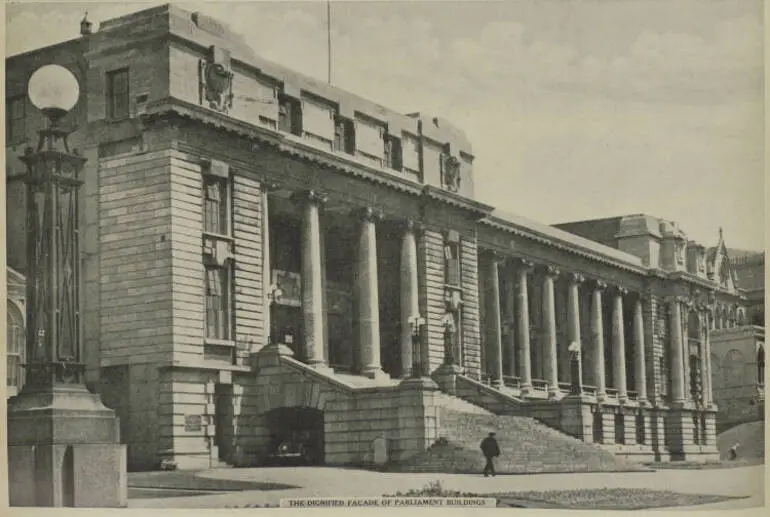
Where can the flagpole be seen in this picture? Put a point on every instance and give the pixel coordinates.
(329, 38)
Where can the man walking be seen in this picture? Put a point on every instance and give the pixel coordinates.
(491, 450)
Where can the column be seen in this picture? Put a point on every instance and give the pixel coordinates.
(510, 318)
(368, 295)
(494, 346)
(549, 312)
(597, 339)
(409, 297)
(676, 351)
(705, 378)
(640, 368)
(710, 392)
(267, 280)
(312, 280)
(573, 315)
(522, 313)
(619, 344)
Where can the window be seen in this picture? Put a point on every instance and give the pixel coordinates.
(640, 431)
(344, 135)
(452, 259)
(16, 114)
(216, 205)
(117, 94)
(393, 152)
(289, 116)
(217, 302)
(620, 428)
(761, 364)
(15, 347)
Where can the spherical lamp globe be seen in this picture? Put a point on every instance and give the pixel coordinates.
(54, 90)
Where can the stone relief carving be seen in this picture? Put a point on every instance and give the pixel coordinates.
(216, 82)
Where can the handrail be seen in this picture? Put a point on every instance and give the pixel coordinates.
(312, 372)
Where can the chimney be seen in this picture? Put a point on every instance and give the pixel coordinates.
(85, 25)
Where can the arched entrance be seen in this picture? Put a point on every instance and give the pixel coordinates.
(296, 435)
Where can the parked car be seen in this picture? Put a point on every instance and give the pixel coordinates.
(296, 448)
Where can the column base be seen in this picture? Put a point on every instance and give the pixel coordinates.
(375, 374)
(322, 368)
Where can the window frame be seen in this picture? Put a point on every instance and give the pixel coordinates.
(225, 205)
(15, 320)
(111, 94)
(225, 276)
(15, 137)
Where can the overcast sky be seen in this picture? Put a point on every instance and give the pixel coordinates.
(576, 109)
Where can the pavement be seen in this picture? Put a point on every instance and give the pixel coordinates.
(746, 482)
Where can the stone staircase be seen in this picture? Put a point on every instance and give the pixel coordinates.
(527, 445)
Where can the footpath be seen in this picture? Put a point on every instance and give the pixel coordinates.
(745, 482)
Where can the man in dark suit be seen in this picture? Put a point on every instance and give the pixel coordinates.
(491, 450)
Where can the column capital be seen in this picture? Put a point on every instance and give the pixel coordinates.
(310, 196)
(551, 271)
(599, 285)
(409, 224)
(368, 213)
(524, 266)
(576, 278)
(619, 290)
(494, 256)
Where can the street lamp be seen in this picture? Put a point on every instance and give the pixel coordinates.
(55, 424)
(576, 387)
(416, 323)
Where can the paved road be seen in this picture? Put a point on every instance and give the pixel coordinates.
(326, 481)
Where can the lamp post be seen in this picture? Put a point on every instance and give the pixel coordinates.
(416, 323)
(56, 426)
(576, 386)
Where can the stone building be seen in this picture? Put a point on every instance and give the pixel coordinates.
(263, 252)
(738, 347)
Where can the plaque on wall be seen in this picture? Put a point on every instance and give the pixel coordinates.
(193, 423)
(291, 287)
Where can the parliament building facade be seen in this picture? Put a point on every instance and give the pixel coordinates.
(253, 240)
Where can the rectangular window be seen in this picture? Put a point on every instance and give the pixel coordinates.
(218, 302)
(289, 116)
(344, 135)
(117, 94)
(216, 205)
(452, 261)
(16, 115)
(393, 156)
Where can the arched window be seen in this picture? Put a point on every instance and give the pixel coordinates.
(14, 348)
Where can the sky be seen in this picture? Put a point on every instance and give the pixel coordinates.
(575, 109)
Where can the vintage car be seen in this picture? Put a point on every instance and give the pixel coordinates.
(296, 448)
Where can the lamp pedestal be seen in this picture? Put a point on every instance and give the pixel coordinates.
(63, 444)
(64, 449)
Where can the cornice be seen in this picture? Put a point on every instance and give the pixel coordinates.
(500, 224)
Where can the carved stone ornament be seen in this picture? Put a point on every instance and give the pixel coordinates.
(450, 172)
(216, 81)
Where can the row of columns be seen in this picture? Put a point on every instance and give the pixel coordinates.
(314, 350)
(596, 341)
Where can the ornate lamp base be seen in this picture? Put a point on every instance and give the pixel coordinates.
(64, 449)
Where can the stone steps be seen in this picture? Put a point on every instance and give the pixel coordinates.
(527, 445)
